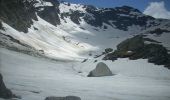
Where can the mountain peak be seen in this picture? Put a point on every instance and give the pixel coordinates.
(127, 9)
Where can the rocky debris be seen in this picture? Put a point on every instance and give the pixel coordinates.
(63, 98)
(4, 92)
(136, 48)
(84, 60)
(101, 70)
(159, 31)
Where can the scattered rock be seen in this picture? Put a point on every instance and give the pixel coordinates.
(95, 61)
(84, 60)
(63, 98)
(101, 70)
(37, 92)
(82, 28)
(79, 71)
(90, 54)
(35, 28)
(99, 55)
(105, 27)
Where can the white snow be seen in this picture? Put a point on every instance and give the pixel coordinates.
(135, 80)
(96, 36)
(65, 8)
(41, 3)
(124, 15)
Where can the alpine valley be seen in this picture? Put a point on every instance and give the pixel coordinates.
(48, 48)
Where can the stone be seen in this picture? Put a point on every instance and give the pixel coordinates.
(63, 98)
(101, 70)
(4, 92)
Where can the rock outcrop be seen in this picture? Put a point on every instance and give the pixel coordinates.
(137, 48)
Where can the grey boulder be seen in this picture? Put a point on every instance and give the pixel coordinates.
(63, 98)
(4, 92)
(101, 70)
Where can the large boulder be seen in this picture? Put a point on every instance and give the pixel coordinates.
(4, 92)
(63, 98)
(101, 70)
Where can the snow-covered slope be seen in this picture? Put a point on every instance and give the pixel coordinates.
(34, 79)
(52, 40)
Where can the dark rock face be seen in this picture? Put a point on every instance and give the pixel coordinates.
(133, 44)
(135, 48)
(50, 13)
(101, 70)
(1, 25)
(63, 98)
(159, 31)
(75, 16)
(121, 17)
(156, 54)
(18, 13)
(4, 92)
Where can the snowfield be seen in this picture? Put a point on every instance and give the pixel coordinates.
(34, 79)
